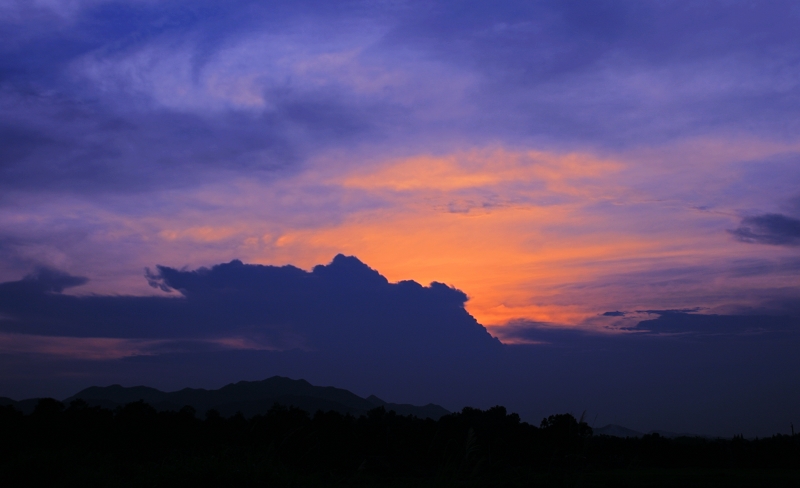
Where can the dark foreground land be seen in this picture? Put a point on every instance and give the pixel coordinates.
(136, 445)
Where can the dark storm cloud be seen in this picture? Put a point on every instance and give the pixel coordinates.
(352, 328)
(342, 306)
(775, 229)
(100, 98)
(339, 307)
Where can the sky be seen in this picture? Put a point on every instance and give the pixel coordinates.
(605, 192)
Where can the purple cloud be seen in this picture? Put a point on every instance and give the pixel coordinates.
(775, 229)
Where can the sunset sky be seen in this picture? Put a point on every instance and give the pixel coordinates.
(554, 161)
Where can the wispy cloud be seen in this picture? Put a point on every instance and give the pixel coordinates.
(91, 348)
(775, 229)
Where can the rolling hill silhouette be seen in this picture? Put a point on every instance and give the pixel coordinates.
(252, 398)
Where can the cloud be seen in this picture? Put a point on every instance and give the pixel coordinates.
(42, 281)
(347, 325)
(526, 234)
(51, 280)
(553, 160)
(705, 325)
(564, 70)
(668, 323)
(774, 229)
(144, 95)
(47, 149)
(87, 348)
(343, 306)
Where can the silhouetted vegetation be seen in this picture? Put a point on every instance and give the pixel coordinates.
(135, 445)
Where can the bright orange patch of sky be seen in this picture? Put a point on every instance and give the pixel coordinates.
(506, 228)
(547, 237)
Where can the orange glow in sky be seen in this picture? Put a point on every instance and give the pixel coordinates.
(533, 235)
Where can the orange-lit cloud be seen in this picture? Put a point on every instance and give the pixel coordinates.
(535, 235)
(485, 169)
(542, 236)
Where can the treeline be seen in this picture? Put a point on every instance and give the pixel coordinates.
(134, 445)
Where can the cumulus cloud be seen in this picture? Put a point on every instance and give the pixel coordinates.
(345, 324)
(193, 131)
(344, 306)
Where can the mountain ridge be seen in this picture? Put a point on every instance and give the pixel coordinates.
(252, 398)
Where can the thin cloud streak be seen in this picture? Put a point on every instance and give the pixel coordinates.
(92, 348)
(110, 348)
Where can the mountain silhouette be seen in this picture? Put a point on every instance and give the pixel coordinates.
(252, 398)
